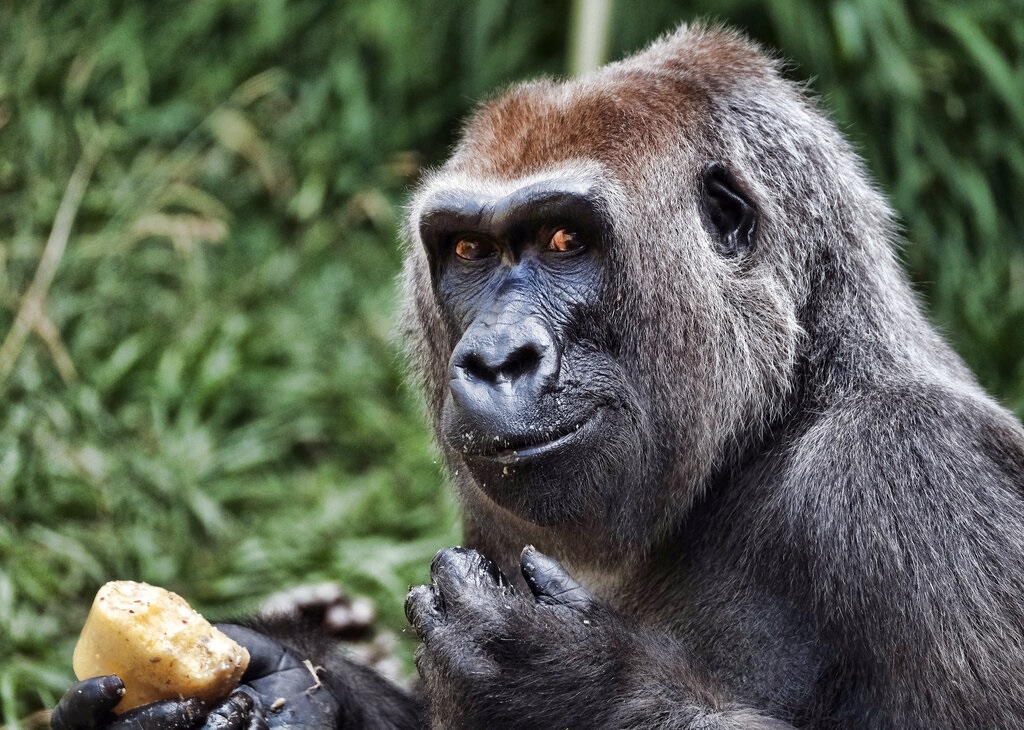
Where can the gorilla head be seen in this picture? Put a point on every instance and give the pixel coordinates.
(606, 283)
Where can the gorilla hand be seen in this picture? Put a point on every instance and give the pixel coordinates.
(279, 690)
(493, 657)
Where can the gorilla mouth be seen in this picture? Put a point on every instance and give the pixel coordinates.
(524, 447)
(539, 475)
(527, 450)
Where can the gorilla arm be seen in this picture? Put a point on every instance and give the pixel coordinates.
(905, 510)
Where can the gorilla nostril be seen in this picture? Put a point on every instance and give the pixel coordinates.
(475, 367)
(521, 361)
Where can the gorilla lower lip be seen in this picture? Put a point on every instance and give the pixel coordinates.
(531, 451)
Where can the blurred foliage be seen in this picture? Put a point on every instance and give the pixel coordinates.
(209, 397)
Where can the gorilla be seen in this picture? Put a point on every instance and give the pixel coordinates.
(716, 468)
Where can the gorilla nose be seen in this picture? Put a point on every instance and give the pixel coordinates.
(495, 363)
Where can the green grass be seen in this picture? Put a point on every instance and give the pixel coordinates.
(213, 401)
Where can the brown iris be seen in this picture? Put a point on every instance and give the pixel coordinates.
(472, 249)
(564, 240)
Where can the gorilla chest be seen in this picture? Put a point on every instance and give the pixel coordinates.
(753, 641)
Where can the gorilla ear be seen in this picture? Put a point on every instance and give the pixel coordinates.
(732, 216)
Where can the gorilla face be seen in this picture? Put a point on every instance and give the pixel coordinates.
(539, 408)
(534, 391)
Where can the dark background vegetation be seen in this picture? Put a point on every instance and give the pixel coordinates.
(209, 398)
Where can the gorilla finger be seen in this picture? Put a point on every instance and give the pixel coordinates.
(424, 607)
(237, 712)
(164, 715)
(455, 570)
(88, 703)
(550, 583)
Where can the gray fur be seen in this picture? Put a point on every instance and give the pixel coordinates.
(831, 530)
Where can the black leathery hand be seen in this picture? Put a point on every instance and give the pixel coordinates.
(550, 583)
(88, 704)
(183, 714)
(424, 608)
(458, 569)
(240, 711)
(266, 655)
(283, 684)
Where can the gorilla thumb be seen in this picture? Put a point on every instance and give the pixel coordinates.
(550, 583)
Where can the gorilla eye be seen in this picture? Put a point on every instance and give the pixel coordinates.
(564, 240)
(473, 249)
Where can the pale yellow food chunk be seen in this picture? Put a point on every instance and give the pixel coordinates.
(158, 646)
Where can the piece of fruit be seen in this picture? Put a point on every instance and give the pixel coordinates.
(158, 646)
